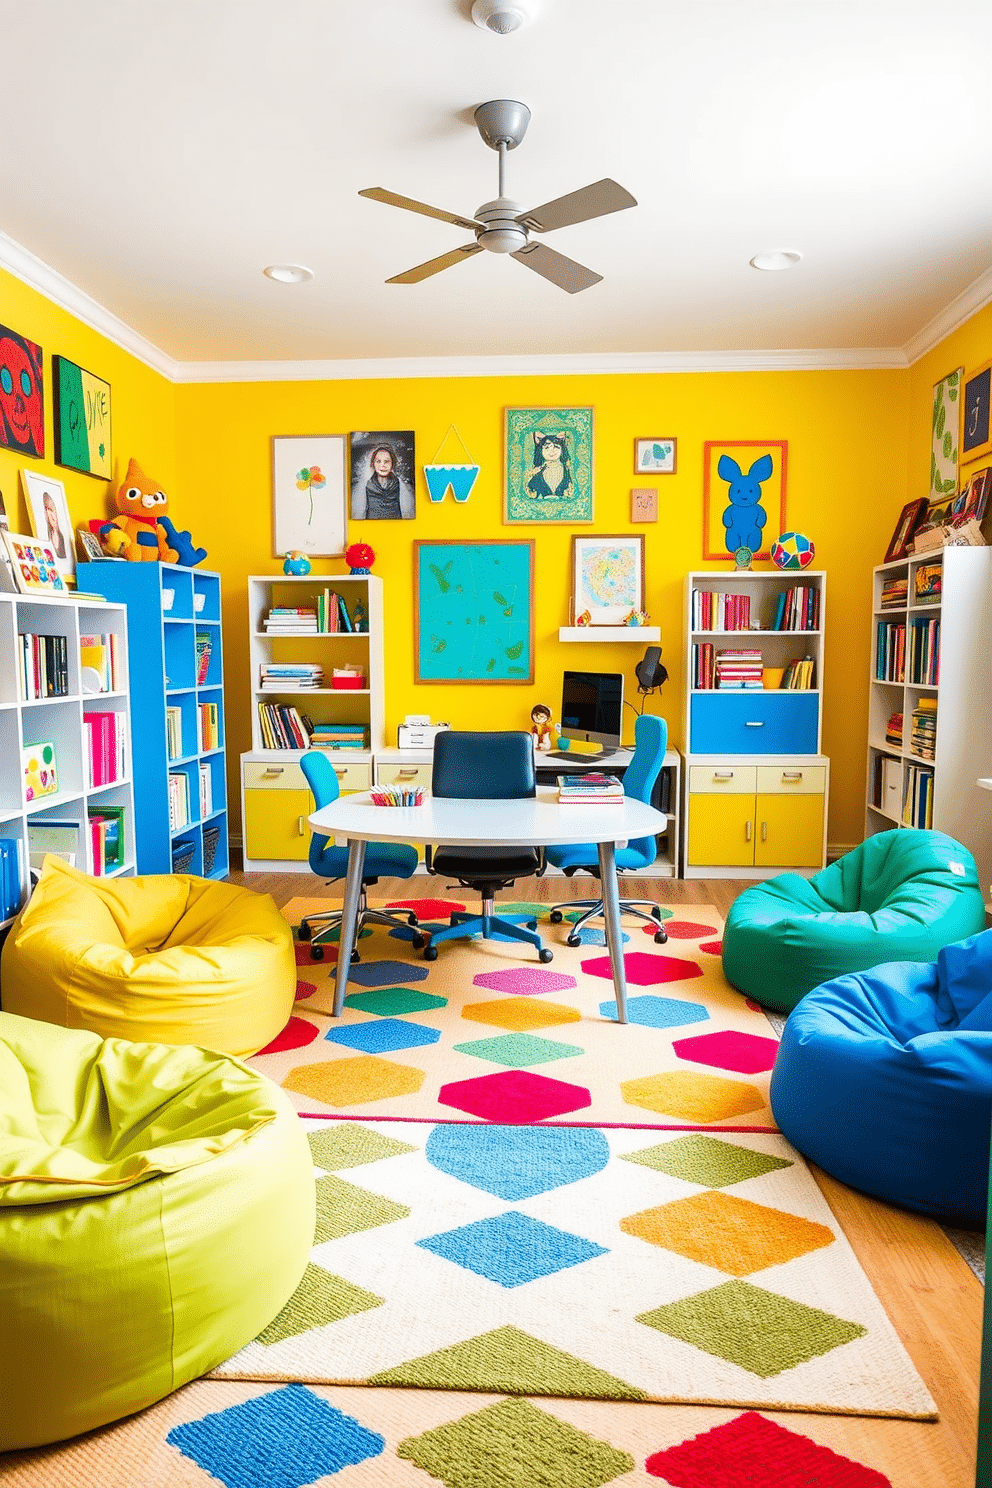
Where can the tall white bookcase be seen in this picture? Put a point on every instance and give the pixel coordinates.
(59, 720)
(963, 751)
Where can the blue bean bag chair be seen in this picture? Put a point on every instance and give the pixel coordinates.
(900, 896)
(885, 1080)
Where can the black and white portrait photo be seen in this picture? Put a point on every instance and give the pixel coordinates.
(382, 476)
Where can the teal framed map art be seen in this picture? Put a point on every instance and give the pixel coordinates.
(473, 611)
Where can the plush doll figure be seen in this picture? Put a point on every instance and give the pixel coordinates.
(143, 532)
(542, 728)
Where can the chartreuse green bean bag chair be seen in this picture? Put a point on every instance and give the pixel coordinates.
(156, 1212)
(167, 959)
(900, 896)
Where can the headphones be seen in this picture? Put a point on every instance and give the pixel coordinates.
(649, 671)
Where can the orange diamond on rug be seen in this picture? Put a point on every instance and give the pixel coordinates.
(521, 1015)
(695, 1098)
(352, 1082)
(728, 1233)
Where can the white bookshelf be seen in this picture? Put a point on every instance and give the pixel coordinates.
(59, 720)
(963, 753)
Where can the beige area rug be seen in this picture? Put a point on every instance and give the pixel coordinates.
(573, 1261)
(486, 1033)
(252, 1435)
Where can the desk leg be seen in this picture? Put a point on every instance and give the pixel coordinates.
(614, 932)
(349, 918)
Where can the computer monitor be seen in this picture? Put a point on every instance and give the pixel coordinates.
(592, 708)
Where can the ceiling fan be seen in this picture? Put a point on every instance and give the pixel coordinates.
(502, 226)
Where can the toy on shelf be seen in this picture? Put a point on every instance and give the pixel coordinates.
(296, 563)
(541, 726)
(792, 550)
(361, 558)
(584, 619)
(637, 617)
(144, 532)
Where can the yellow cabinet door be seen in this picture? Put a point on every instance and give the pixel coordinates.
(276, 824)
(721, 830)
(789, 831)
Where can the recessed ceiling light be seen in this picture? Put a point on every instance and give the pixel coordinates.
(288, 273)
(775, 259)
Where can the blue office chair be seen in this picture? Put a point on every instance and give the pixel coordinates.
(382, 860)
(650, 743)
(499, 767)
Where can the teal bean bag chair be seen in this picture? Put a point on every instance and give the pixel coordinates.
(900, 896)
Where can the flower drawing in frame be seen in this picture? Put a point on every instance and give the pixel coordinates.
(548, 472)
(308, 495)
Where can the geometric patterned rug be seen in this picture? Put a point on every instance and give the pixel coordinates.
(486, 1033)
(623, 1264)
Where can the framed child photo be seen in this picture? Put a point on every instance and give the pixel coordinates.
(49, 513)
(383, 475)
(548, 475)
(654, 456)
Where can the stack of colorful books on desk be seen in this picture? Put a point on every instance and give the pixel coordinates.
(738, 669)
(297, 676)
(590, 789)
(338, 736)
(289, 620)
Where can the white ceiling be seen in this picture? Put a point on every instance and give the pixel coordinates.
(159, 153)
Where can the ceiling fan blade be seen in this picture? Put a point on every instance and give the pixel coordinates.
(564, 272)
(597, 200)
(435, 265)
(379, 193)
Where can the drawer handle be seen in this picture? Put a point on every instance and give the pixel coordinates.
(764, 831)
(792, 774)
(274, 770)
(747, 831)
(723, 774)
(340, 773)
(409, 774)
(302, 829)
(750, 724)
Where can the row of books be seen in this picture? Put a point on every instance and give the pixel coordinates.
(204, 647)
(703, 665)
(799, 675)
(102, 654)
(64, 839)
(590, 788)
(923, 738)
(327, 615)
(290, 676)
(44, 666)
(929, 578)
(893, 730)
(208, 719)
(890, 651)
(174, 732)
(714, 610)
(924, 652)
(206, 790)
(282, 727)
(10, 877)
(798, 609)
(106, 741)
(737, 669)
(178, 800)
(917, 798)
(106, 829)
(895, 592)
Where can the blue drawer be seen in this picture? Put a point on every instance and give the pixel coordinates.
(753, 723)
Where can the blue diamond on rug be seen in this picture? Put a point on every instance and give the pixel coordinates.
(409, 932)
(517, 1162)
(589, 935)
(286, 1439)
(512, 1249)
(385, 973)
(658, 1012)
(384, 1036)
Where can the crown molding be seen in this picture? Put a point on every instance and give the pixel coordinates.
(973, 297)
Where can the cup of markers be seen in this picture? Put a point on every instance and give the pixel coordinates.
(394, 795)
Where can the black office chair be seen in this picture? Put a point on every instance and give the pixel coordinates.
(499, 767)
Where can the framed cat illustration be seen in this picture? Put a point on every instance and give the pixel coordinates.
(548, 476)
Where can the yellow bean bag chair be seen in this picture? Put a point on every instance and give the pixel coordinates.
(156, 1212)
(166, 959)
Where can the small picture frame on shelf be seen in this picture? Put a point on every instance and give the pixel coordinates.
(49, 513)
(607, 577)
(655, 455)
(32, 564)
(910, 518)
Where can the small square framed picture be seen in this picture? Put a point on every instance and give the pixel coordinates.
(655, 456)
(49, 513)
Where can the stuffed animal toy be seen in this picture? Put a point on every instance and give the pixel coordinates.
(143, 532)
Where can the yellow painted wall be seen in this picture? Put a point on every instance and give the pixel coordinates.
(847, 434)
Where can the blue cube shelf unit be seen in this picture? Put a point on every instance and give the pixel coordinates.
(167, 608)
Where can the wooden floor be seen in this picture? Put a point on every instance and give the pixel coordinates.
(927, 1289)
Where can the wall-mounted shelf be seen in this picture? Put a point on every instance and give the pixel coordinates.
(638, 634)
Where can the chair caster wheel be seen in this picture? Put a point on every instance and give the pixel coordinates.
(545, 955)
(430, 953)
(419, 942)
(656, 915)
(304, 933)
(411, 919)
(316, 953)
(556, 917)
(355, 957)
(573, 941)
(531, 924)
(660, 937)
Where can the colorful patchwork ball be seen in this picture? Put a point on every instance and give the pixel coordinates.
(792, 550)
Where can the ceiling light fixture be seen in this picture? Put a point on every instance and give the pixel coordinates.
(288, 273)
(776, 259)
(502, 16)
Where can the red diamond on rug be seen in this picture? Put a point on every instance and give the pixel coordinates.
(712, 947)
(297, 1033)
(745, 1053)
(303, 957)
(304, 990)
(753, 1452)
(645, 970)
(427, 909)
(515, 1097)
(682, 930)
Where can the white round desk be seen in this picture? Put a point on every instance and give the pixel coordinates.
(538, 821)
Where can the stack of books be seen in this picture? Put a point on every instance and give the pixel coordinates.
(923, 740)
(282, 727)
(296, 676)
(893, 730)
(44, 666)
(338, 736)
(105, 746)
(290, 620)
(10, 877)
(738, 669)
(590, 788)
(928, 583)
(798, 675)
(798, 609)
(895, 593)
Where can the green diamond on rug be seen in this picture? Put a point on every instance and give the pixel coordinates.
(344, 1209)
(518, 1050)
(393, 1002)
(508, 1360)
(319, 1299)
(706, 1161)
(512, 1444)
(762, 1332)
(350, 1145)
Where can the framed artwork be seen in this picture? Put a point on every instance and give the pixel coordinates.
(89, 547)
(32, 564)
(744, 486)
(972, 503)
(474, 611)
(944, 426)
(644, 504)
(910, 518)
(607, 577)
(654, 456)
(49, 513)
(548, 473)
(308, 495)
(82, 419)
(383, 476)
(22, 394)
(976, 428)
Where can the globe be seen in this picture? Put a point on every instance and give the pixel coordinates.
(792, 550)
